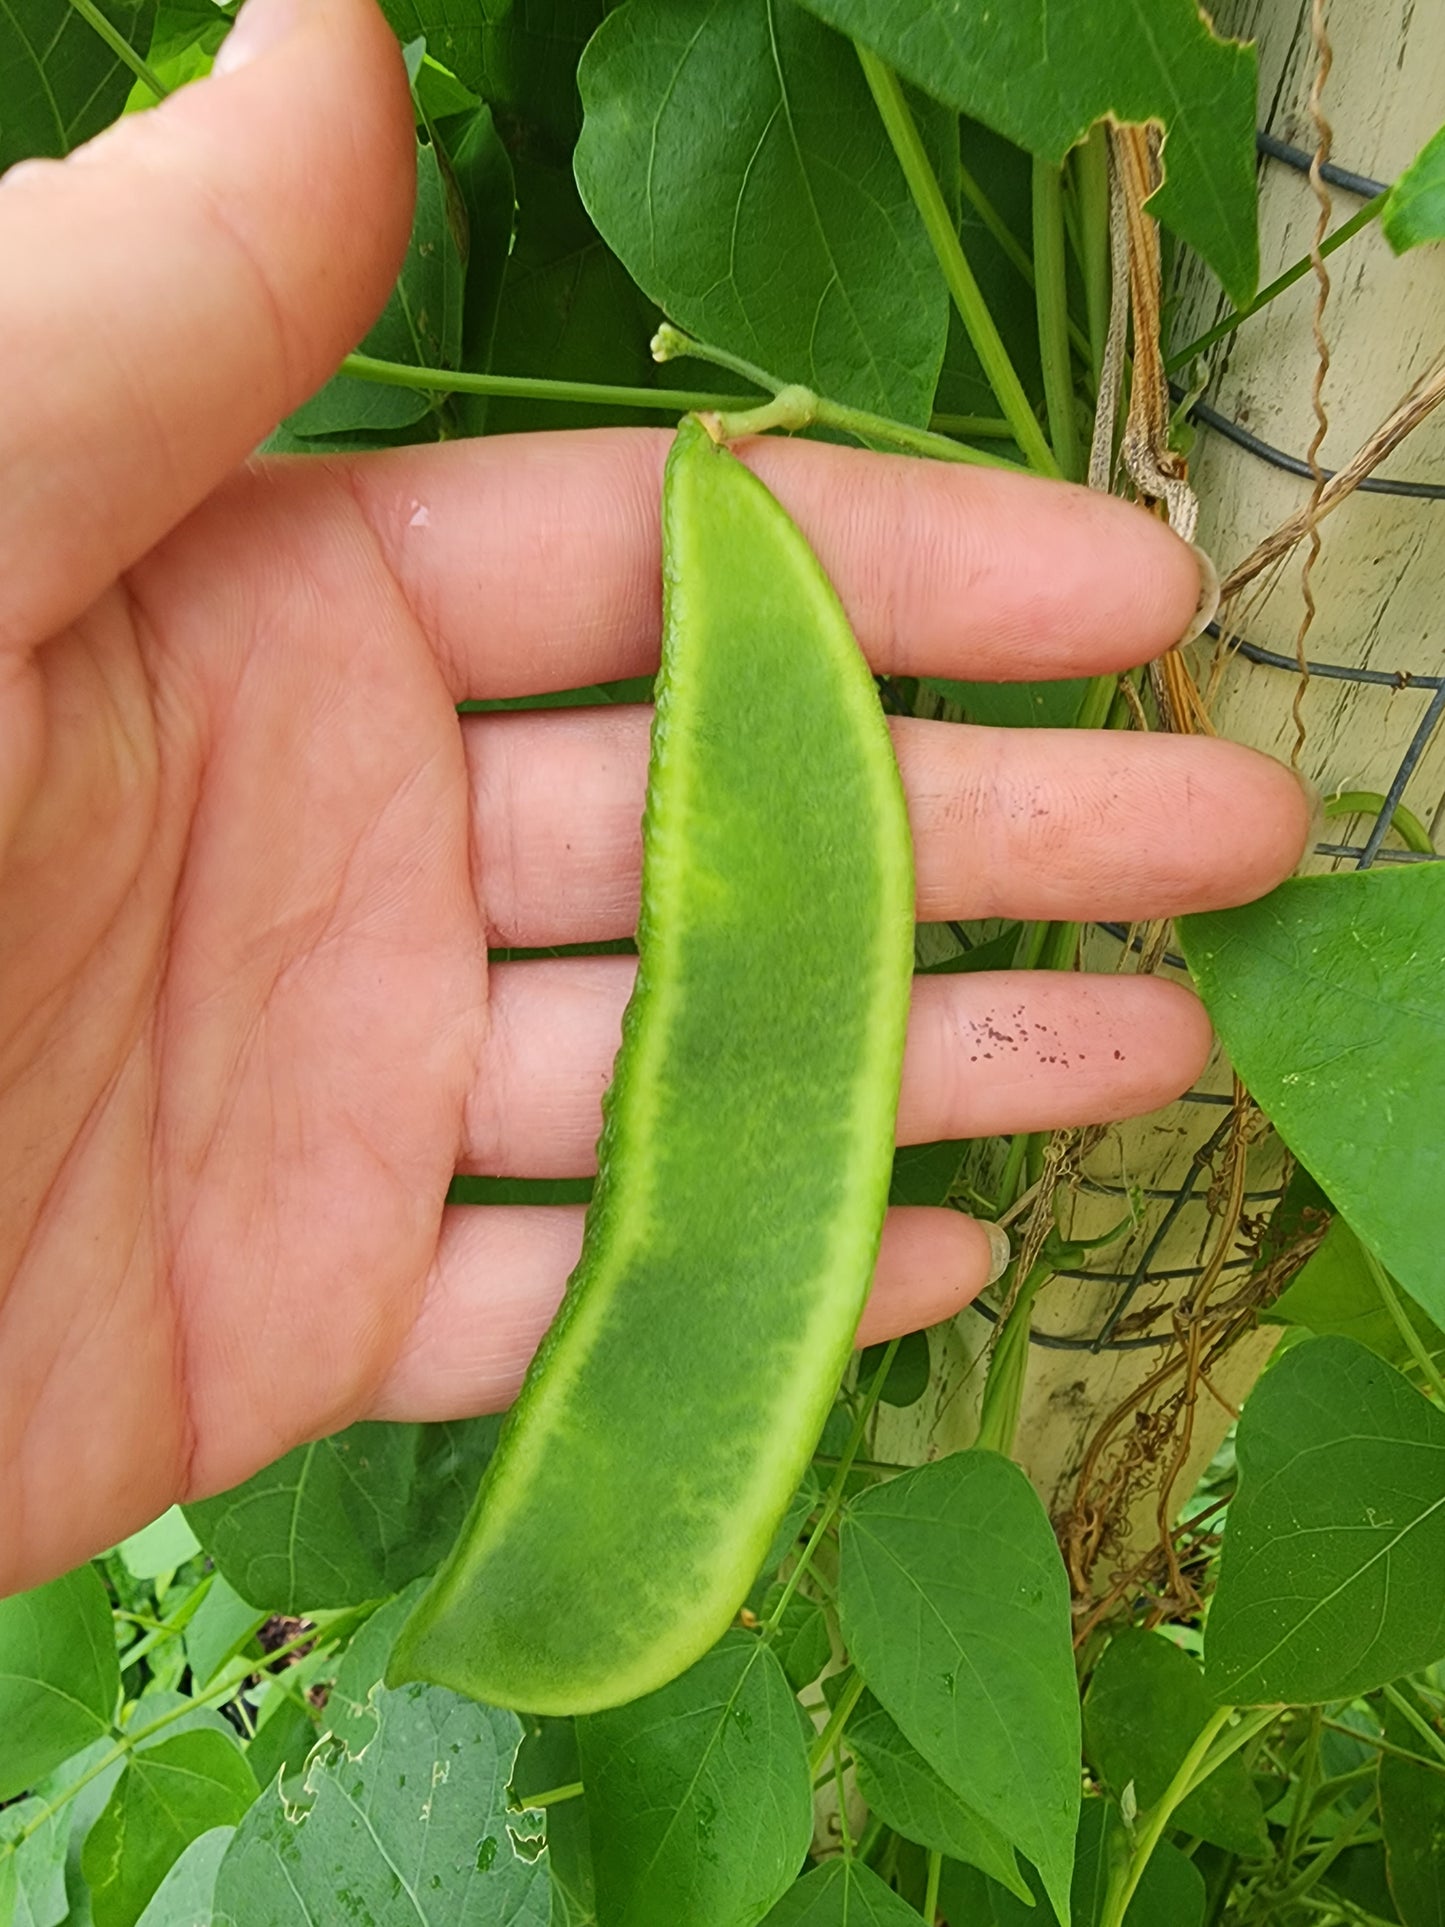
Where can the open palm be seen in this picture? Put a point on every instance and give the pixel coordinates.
(251, 861)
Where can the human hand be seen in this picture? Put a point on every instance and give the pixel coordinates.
(251, 861)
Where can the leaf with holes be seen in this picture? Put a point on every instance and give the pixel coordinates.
(413, 1832)
(1330, 1580)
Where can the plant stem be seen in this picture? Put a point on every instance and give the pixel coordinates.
(881, 1466)
(662, 401)
(1091, 171)
(793, 406)
(930, 1892)
(948, 249)
(1390, 1299)
(1003, 1388)
(1196, 1766)
(1297, 1889)
(553, 1797)
(1051, 302)
(837, 1720)
(1361, 219)
(1309, 1755)
(120, 47)
(1411, 830)
(1001, 232)
(833, 1499)
(1421, 1725)
(129, 1740)
(985, 428)
(1385, 1746)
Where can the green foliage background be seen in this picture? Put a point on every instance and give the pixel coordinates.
(193, 1728)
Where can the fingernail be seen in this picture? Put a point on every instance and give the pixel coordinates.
(1208, 606)
(260, 26)
(1000, 1252)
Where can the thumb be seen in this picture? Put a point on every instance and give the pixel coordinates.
(178, 285)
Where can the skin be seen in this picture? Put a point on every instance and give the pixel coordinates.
(251, 862)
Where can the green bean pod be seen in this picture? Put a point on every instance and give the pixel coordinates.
(744, 1162)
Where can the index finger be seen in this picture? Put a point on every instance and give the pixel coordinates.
(533, 561)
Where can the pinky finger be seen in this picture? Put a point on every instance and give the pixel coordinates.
(500, 1271)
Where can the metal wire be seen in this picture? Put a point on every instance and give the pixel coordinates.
(1235, 432)
(1364, 857)
(1299, 159)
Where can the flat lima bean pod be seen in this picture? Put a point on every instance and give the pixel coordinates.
(744, 1162)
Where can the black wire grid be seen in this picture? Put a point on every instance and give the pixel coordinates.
(1364, 855)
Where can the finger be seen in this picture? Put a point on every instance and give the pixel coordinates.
(174, 288)
(1006, 823)
(500, 1271)
(999, 1051)
(534, 561)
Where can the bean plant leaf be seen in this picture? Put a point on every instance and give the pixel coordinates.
(1412, 1819)
(452, 30)
(1171, 1889)
(1330, 1579)
(184, 1898)
(1043, 73)
(415, 1832)
(1170, 1894)
(1327, 996)
(1334, 1293)
(698, 1796)
(185, 39)
(1145, 1707)
(420, 324)
(59, 1678)
(1003, 174)
(221, 1625)
(59, 82)
(955, 1606)
(1414, 209)
(530, 51)
(168, 1796)
(732, 156)
(162, 1546)
(843, 1893)
(907, 1378)
(349, 1518)
(569, 310)
(801, 1641)
(481, 174)
(32, 1878)
(903, 1790)
(351, 1708)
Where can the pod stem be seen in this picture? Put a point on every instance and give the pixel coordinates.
(794, 407)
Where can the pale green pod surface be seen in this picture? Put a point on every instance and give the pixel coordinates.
(744, 1164)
